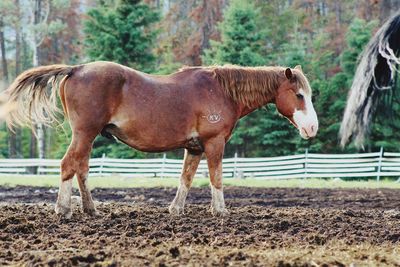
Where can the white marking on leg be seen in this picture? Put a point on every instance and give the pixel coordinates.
(217, 202)
(63, 205)
(178, 204)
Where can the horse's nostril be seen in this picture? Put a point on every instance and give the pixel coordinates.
(312, 128)
(305, 131)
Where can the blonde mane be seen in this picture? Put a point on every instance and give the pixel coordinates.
(253, 86)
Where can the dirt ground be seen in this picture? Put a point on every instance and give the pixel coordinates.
(265, 227)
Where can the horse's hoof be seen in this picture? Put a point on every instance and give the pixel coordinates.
(91, 212)
(220, 212)
(63, 212)
(175, 210)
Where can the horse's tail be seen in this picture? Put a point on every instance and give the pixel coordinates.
(33, 96)
(379, 64)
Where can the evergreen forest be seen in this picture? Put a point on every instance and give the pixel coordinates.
(325, 37)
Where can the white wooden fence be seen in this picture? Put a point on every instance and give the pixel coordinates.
(306, 165)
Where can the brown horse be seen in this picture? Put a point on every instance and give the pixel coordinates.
(195, 108)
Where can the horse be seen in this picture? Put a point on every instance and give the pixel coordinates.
(195, 108)
(375, 75)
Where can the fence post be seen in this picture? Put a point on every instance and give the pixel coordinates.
(234, 166)
(164, 159)
(378, 177)
(305, 163)
(103, 157)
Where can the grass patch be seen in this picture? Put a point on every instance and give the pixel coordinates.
(122, 182)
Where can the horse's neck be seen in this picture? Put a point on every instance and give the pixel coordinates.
(245, 110)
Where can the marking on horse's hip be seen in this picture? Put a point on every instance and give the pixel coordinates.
(213, 117)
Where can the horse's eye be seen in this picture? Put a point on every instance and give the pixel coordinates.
(300, 96)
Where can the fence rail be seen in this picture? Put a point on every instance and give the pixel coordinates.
(306, 165)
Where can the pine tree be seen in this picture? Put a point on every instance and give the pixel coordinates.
(241, 38)
(123, 34)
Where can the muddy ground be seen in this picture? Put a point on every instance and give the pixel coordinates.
(266, 227)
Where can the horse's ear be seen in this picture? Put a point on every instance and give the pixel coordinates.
(298, 67)
(289, 74)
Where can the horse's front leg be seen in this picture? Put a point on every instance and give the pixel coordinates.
(214, 150)
(190, 164)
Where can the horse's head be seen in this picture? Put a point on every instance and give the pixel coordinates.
(293, 100)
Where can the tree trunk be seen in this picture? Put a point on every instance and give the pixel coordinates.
(12, 144)
(12, 153)
(35, 63)
(3, 53)
(41, 141)
(15, 136)
(32, 152)
(33, 146)
(18, 145)
(17, 41)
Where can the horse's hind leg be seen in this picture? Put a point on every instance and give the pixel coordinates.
(191, 162)
(75, 161)
(82, 175)
(63, 205)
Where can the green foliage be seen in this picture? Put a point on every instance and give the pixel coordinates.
(357, 37)
(3, 145)
(169, 65)
(123, 34)
(61, 138)
(241, 37)
(333, 91)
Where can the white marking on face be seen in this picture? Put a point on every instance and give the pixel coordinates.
(306, 120)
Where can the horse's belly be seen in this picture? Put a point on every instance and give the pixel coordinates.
(149, 139)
